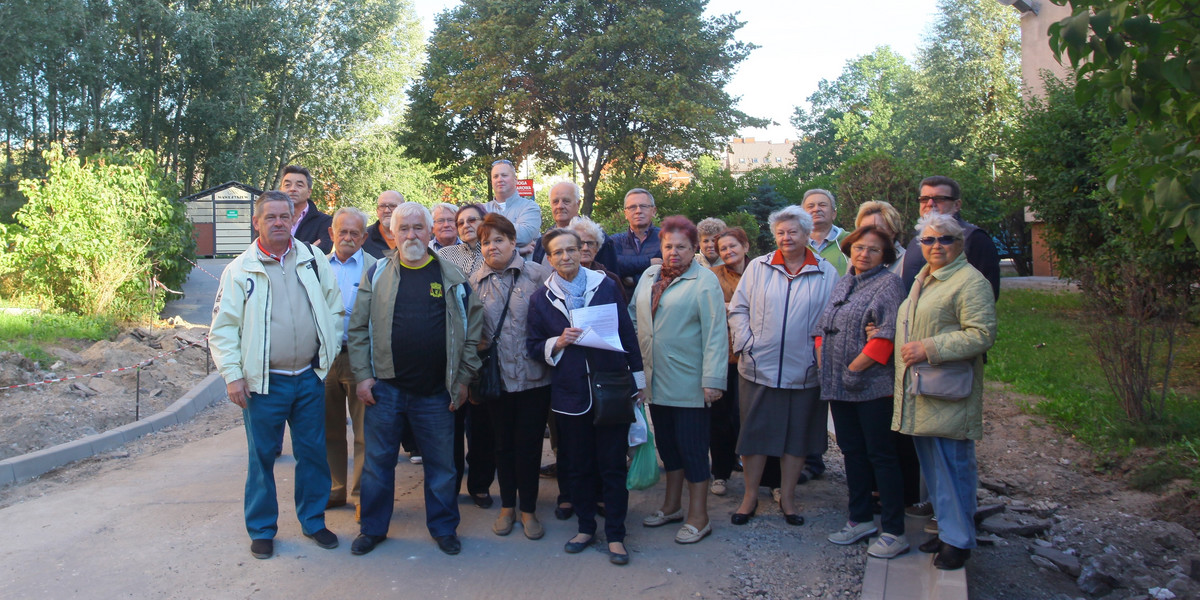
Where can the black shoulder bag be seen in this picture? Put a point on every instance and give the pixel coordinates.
(489, 385)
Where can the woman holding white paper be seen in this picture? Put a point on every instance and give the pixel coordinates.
(588, 453)
(679, 312)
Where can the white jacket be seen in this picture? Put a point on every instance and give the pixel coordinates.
(238, 337)
(773, 318)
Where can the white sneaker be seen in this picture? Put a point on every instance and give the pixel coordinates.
(717, 487)
(415, 459)
(888, 546)
(852, 533)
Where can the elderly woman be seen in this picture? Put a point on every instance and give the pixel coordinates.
(946, 324)
(505, 283)
(591, 239)
(707, 254)
(883, 216)
(732, 244)
(595, 453)
(466, 255)
(678, 310)
(857, 379)
(773, 315)
(475, 422)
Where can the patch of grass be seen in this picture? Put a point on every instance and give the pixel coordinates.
(28, 333)
(1043, 349)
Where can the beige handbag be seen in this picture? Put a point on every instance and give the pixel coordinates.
(951, 381)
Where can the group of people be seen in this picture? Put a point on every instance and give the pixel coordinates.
(738, 358)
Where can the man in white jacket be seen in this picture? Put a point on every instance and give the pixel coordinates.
(276, 329)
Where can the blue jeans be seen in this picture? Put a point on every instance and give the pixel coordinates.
(952, 476)
(433, 427)
(298, 400)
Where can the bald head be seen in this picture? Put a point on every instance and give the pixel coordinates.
(386, 203)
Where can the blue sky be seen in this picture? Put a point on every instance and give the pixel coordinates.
(800, 42)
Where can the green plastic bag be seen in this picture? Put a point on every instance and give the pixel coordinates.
(643, 471)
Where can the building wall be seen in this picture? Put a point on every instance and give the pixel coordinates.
(746, 154)
(1035, 45)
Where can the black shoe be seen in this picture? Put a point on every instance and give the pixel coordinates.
(365, 543)
(931, 546)
(807, 475)
(950, 558)
(618, 558)
(449, 544)
(794, 520)
(262, 548)
(324, 538)
(549, 471)
(738, 518)
(577, 547)
(562, 513)
(483, 500)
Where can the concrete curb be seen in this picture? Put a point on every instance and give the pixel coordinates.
(912, 576)
(206, 393)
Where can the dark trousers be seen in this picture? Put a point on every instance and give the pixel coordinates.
(595, 454)
(518, 420)
(864, 436)
(681, 436)
(910, 467)
(723, 429)
(478, 457)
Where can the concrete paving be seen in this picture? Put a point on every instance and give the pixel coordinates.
(199, 291)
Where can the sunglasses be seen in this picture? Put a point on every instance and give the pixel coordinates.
(944, 240)
(502, 161)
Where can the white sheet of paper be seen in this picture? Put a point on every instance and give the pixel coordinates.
(599, 325)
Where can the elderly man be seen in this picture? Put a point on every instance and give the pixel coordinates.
(276, 331)
(826, 236)
(379, 236)
(942, 194)
(445, 230)
(404, 298)
(565, 197)
(639, 247)
(310, 224)
(524, 213)
(348, 262)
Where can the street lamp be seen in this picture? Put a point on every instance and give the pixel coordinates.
(993, 157)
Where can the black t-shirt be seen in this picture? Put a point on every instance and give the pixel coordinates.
(419, 331)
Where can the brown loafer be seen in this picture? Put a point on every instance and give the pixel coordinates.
(532, 526)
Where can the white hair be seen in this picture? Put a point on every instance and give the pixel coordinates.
(792, 213)
(943, 224)
(354, 212)
(575, 189)
(445, 206)
(409, 209)
(582, 224)
(826, 193)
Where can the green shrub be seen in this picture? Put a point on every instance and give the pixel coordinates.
(94, 235)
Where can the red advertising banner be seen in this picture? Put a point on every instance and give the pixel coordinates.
(525, 188)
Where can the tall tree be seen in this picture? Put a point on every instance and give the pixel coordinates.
(1143, 59)
(628, 81)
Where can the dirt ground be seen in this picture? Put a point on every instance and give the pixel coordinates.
(1102, 538)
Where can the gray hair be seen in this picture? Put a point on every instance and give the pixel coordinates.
(409, 209)
(711, 226)
(352, 211)
(826, 193)
(640, 191)
(453, 208)
(273, 196)
(792, 213)
(582, 224)
(943, 224)
(575, 189)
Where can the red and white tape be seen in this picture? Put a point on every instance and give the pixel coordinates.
(117, 370)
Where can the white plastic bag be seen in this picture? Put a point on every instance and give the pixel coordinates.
(638, 431)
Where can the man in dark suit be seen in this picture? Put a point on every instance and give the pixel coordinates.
(310, 225)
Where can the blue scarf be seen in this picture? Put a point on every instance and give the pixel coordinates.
(573, 289)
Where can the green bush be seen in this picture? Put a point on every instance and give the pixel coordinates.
(94, 234)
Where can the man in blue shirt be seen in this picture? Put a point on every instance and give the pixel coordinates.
(524, 213)
(348, 261)
(639, 247)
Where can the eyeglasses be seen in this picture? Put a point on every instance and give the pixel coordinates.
(468, 221)
(944, 240)
(928, 199)
(569, 251)
(587, 244)
(387, 207)
(861, 249)
(443, 221)
(635, 207)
